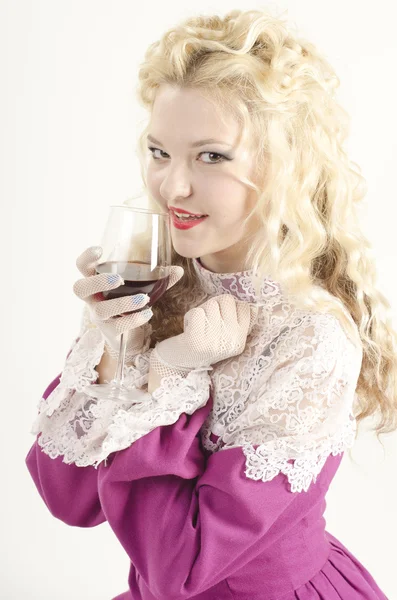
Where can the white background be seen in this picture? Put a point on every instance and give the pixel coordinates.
(68, 133)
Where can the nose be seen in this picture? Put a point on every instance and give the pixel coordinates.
(176, 184)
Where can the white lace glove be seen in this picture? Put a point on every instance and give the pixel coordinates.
(111, 316)
(214, 331)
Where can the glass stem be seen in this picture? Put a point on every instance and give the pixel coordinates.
(120, 362)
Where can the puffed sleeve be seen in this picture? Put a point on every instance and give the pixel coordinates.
(86, 430)
(301, 404)
(69, 492)
(177, 511)
(187, 521)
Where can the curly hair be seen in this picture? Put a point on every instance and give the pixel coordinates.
(282, 91)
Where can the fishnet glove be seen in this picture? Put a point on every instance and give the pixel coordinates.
(109, 315)
(214, 331)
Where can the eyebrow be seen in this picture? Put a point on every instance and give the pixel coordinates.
(195, 144)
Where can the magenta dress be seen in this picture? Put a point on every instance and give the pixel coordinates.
(194, 526)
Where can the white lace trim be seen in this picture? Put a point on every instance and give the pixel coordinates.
(85, 430)
(290, 395)
(79, 371)
(286, 401)
(269, 459)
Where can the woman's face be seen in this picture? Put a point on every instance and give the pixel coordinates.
(199, 180)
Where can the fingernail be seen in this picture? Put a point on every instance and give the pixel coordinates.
(115, 278)
(139, 298)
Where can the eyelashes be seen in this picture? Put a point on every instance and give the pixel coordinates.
(221, 156)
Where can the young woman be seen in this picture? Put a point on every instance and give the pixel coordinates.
(267, 349)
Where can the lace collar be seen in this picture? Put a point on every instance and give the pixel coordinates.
(239, 284)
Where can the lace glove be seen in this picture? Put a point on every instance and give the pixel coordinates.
(116, 316)
(214, 331)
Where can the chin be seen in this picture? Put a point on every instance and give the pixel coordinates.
(187, 255)
(185, 252)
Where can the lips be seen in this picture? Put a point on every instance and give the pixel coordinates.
(179, 224)
(185, 212)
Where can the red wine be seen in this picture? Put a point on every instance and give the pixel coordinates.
(139, 278)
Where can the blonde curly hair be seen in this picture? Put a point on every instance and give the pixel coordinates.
(282, 91)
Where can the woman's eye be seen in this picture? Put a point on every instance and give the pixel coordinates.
(220, 156)
(153, 150)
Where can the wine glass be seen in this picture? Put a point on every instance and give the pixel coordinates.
(137, 245)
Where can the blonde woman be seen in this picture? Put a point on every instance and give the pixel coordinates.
(268, 348)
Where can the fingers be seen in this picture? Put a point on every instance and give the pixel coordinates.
(124, 324)
(233, 312)
(106, 309)
(90, 285)
(88, 260)
(86, 264)
(222, 315)
(218, 328)
(228, 308)
(253, 316)
(247, 315)
(194, 322)
(213, 311)
(176, 273)
(203, 326)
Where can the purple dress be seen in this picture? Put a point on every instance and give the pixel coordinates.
(215, 486)
(194, 526)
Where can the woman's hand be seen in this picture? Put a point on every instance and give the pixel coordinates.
(214, 331)
(116, 316)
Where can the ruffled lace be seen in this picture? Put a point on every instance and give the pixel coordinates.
(286, 400)
(292, 405)
(79, 371)
(85, 430)
(268, 460)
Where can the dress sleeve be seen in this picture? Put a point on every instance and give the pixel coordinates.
(69, 492)
(176, 510)
(85, 430)
(301, 405)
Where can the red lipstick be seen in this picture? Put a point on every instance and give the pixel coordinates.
(184, 212)
(179, 224)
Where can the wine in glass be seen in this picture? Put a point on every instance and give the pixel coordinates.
(136, 245)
